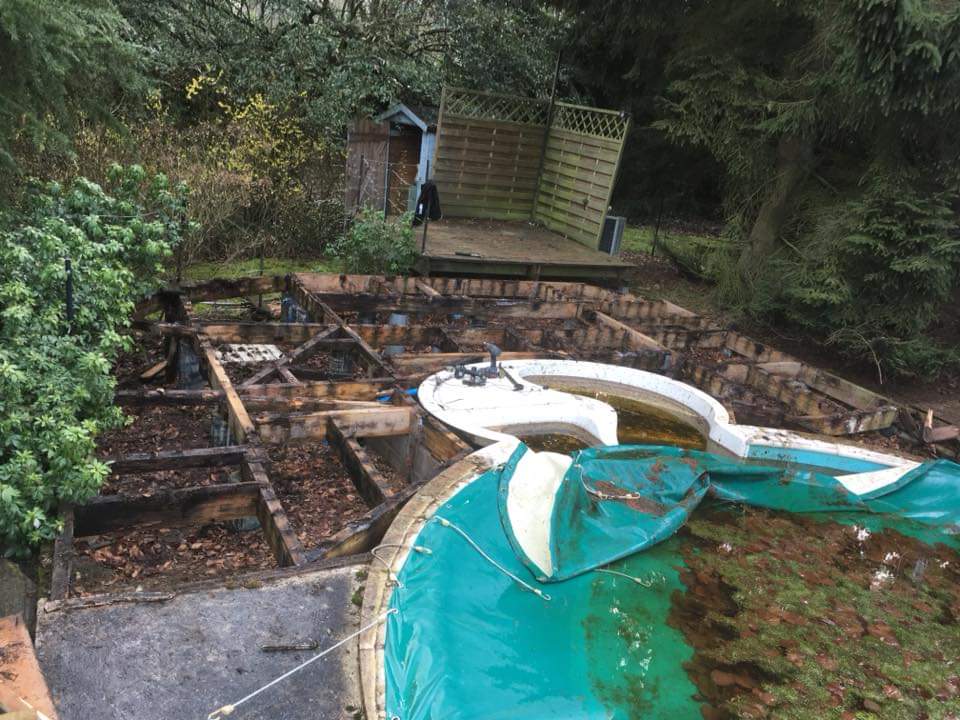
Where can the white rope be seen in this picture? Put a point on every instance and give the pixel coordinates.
(656, 578)
(447, 524)
(396, 578)
(222, 712)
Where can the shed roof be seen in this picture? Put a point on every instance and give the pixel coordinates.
(424, 118)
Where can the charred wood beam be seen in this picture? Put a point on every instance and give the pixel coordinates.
(163, 396)
(369, 481)
(182, 507)
(178, 459)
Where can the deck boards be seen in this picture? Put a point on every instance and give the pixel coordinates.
(511, 248)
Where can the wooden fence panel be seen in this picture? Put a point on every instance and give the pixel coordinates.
(579, 169)
(488, 154)
(495, 159)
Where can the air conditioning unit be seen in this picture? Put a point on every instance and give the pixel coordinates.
(612, 235)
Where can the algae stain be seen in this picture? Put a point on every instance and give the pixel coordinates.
(641, 423)
(635, 659)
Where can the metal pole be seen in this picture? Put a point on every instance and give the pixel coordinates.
(69, 268)
(262, 246)
(656, 231)
(546, 135)
(426, 213)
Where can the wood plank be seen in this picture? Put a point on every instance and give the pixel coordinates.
(178, 459)
(20, 675)
(224, 288)
(241, 426)
(375, 362)
(279, 534)
(440, 442)
(416, 365)
(162, 396)
(181, 507)
(63, 556)
(367, 422)
(369, 481)
(153, 371)
(302, 352)
(346, 390)
(635, 339)
(261, 332)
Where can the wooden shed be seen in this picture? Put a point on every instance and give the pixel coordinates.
(388, 158)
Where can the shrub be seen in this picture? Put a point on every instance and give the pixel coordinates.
(56, 390)
(377, 245)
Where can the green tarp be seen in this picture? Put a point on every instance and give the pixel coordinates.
(615, 501)
(468, 642)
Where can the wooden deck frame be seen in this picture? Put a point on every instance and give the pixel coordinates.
(598, 325)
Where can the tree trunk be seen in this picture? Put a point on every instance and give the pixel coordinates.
(794, 163)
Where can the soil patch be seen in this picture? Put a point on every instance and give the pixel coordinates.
(161, 558)
(131, 363)
(315, 489)
(154, 482)
(158, 427)
(795, 617)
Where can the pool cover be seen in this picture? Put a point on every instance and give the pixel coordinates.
(470, 641)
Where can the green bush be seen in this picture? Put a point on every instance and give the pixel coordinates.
(56, 389)
(377, 245)
(877, 275)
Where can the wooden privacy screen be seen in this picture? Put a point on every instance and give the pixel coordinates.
(495, 159)
(579, 168)
(488, 154)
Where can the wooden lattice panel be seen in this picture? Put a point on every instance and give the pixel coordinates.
(488, 154)
(607, 124)
(491, 106)
(496, 159)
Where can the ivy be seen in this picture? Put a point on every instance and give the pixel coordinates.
(56, 389)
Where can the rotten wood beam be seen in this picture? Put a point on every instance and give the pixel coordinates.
(238, 420)
(381, 421)
(281, 538)
(261, 332)
(162, 396)
(362, 389)
(416, 365)
(304, 351)
(178, 459)
(181, 507)
(375, 364)
(369, 481)
(933, 435)
(63, 556)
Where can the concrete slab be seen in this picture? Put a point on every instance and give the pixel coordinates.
(188, 656)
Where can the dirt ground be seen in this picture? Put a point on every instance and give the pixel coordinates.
(158, 427)
(315, 489)
(161, 558)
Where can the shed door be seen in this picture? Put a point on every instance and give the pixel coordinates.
(366, 173)
(404, 153)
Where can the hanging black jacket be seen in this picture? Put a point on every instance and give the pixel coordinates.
(428, 203)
